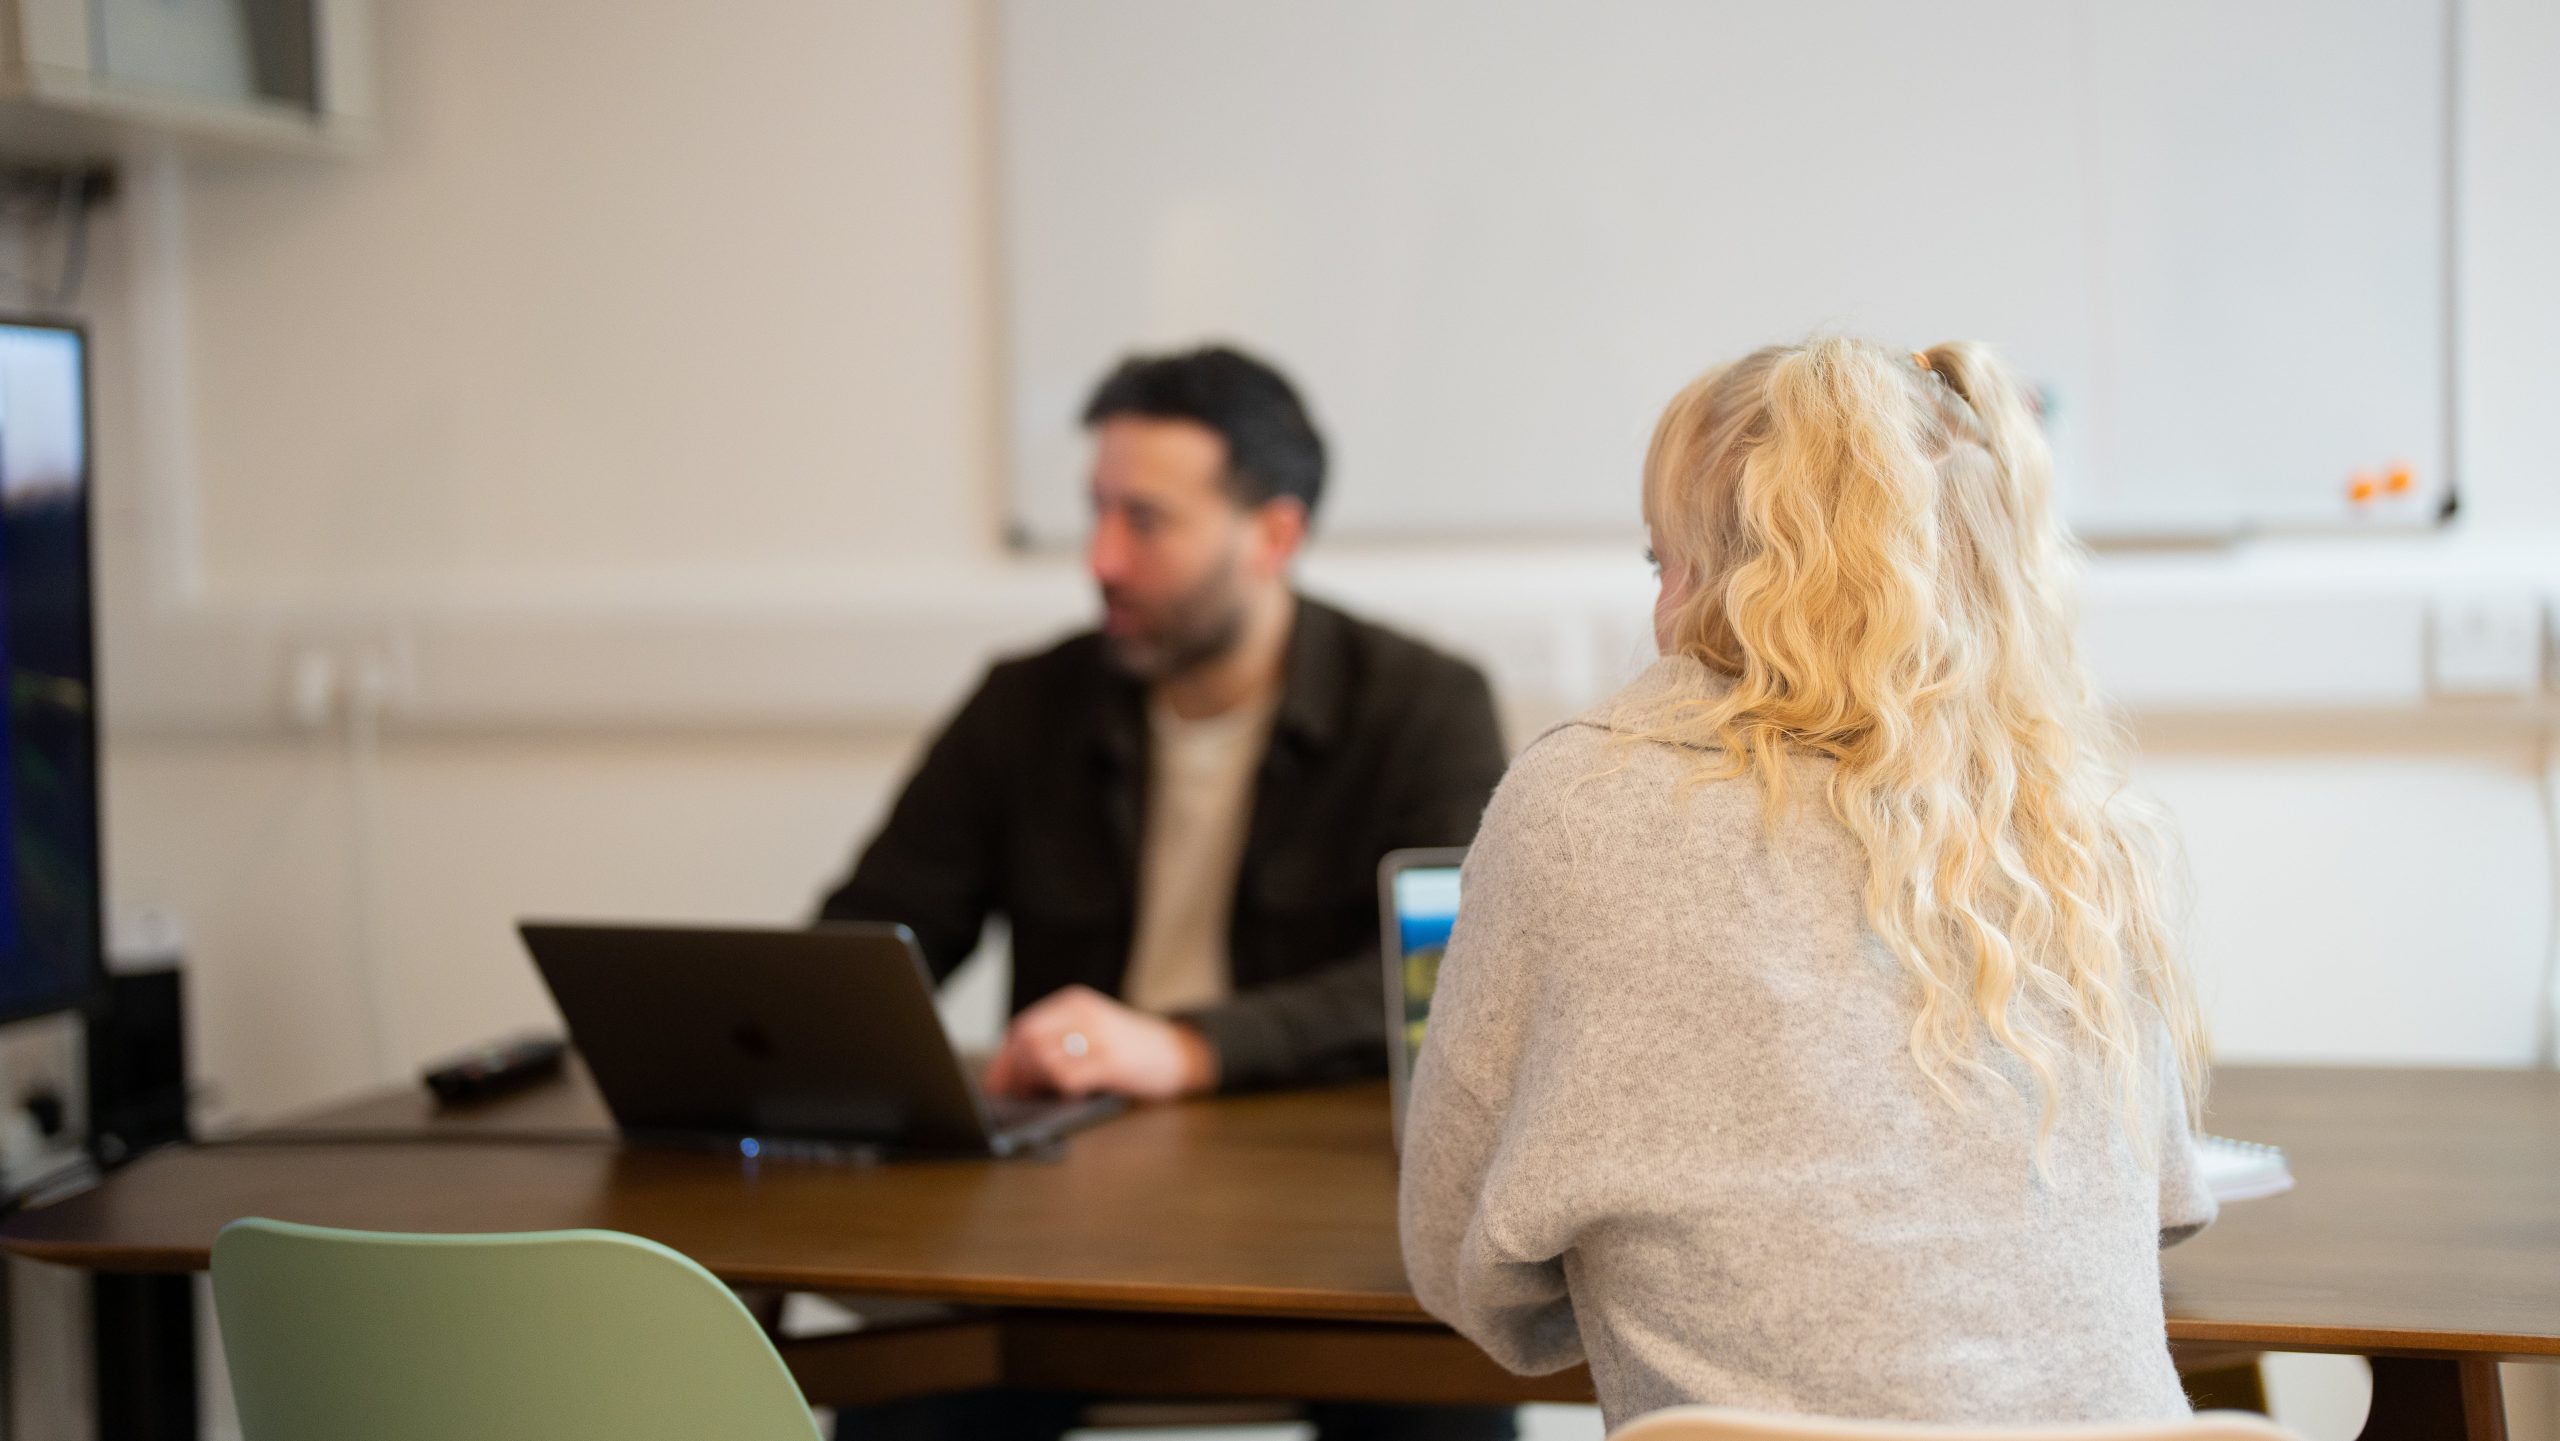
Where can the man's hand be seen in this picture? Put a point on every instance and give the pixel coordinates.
(1080, 1042)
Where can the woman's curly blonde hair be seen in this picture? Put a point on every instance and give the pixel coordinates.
(1864, 541)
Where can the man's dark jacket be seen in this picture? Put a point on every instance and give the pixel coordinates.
(1030, 804)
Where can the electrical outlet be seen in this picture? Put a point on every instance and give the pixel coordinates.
(2485, 644)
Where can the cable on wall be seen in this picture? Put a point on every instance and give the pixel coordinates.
(59, 200)
(2546, 1041)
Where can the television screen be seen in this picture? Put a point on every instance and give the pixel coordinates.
(49, 889)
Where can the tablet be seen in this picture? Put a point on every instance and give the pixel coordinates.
(1418, 903)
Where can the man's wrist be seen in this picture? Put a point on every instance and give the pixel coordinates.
(1199, 1059)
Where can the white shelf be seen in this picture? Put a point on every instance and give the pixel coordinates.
(58, 107)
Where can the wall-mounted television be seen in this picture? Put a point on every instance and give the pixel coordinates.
(50, 949)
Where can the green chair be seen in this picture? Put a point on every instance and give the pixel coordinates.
(545, 1336)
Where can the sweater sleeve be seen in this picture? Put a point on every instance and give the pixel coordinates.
(1486, 1223)
(1327, 1025)
(2186, 1207)
(932, 865)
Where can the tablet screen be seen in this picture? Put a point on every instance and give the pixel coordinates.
(1426, 906)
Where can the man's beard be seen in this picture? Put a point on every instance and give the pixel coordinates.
(1201, 627)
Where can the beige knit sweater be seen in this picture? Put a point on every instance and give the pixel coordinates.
(1666, 1119)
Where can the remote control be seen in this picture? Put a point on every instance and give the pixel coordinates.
(497, 1069)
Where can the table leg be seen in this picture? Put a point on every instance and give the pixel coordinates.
(145, 1328)
(2430, 1398)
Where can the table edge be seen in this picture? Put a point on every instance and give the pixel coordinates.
(1369, 1307)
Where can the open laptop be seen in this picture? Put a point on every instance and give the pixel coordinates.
(816, 1043)
(1417, 903)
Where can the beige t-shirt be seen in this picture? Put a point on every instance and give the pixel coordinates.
(1199, 800)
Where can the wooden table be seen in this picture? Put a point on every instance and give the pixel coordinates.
(1248, 1247)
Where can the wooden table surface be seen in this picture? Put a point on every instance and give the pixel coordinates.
(1277, 1205)
(2427, 1219)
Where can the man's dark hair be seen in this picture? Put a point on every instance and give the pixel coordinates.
(1272, 447)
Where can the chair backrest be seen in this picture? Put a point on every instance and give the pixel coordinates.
(1719, 1423)
(555, 1335)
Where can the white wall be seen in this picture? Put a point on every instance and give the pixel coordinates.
(622, 438)
(638, 313)
(654, 289)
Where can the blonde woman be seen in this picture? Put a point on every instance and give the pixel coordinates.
(1813, 1037)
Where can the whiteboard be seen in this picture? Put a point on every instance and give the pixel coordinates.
(1490, 240)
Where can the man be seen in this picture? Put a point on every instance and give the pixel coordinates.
(1182, 813)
